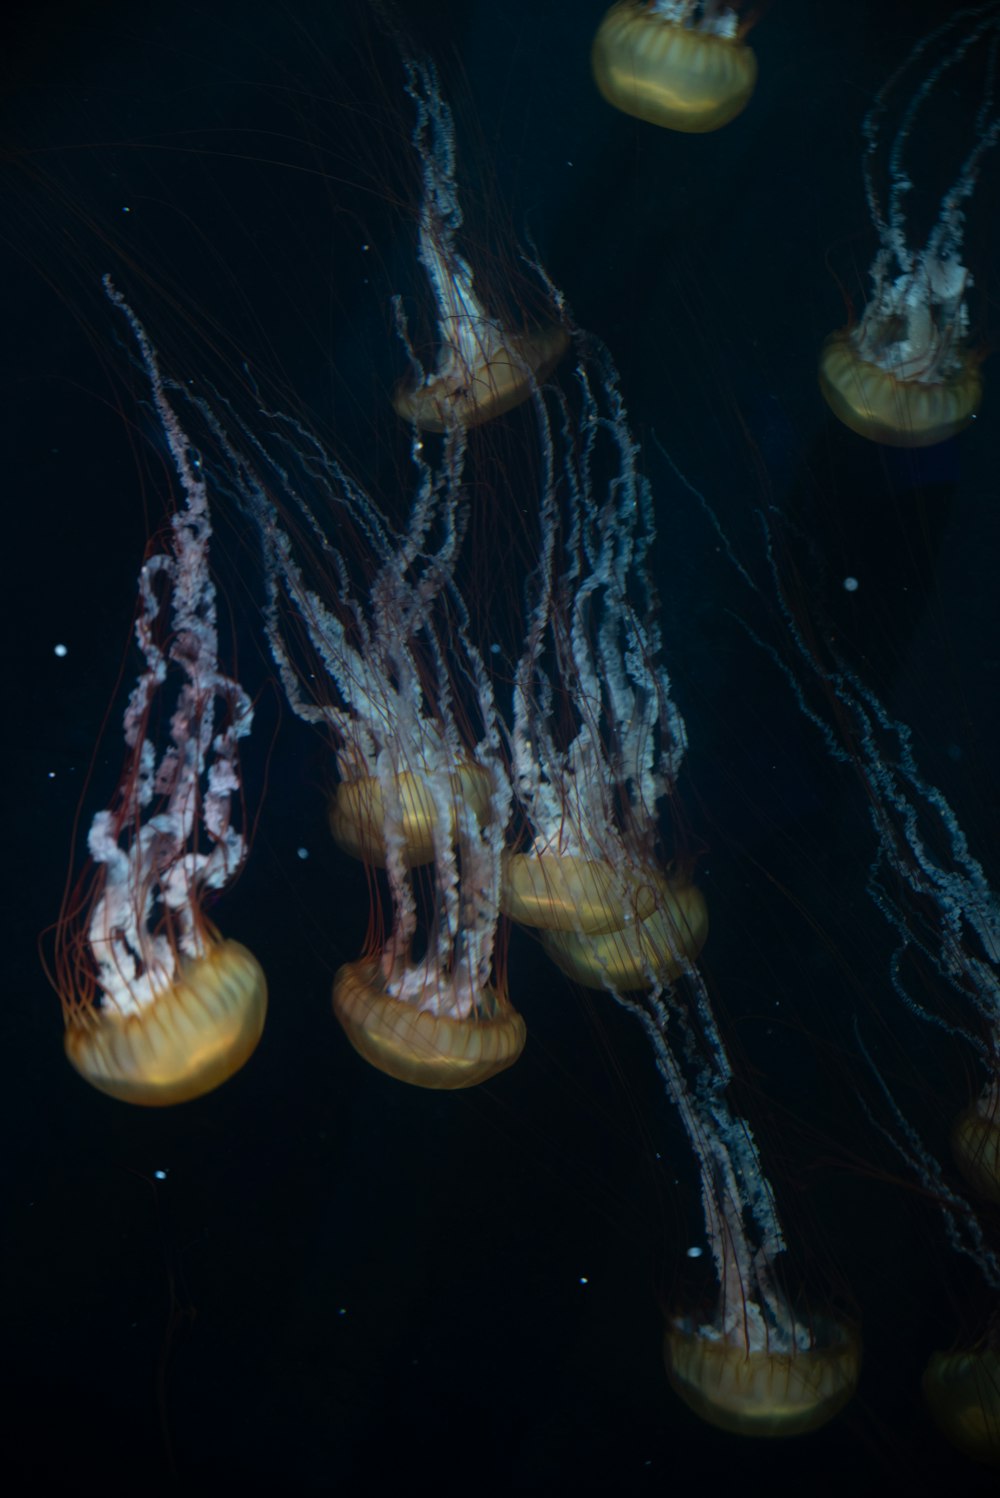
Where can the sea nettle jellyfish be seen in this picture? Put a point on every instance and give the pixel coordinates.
(597, 745)
(159, 1007)
(482, 368)
(681, 64)
(904, 374)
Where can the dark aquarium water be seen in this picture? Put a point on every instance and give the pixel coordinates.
(318, 1278)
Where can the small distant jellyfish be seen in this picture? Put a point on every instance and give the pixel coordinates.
(680, 64)
(904, 375)
(482, 367)
(159, 1007)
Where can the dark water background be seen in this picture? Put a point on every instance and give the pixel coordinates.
(342, 1282)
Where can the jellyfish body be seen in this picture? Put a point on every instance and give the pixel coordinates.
(975, 1142)
(962, 1391)
(192, 1036)
(159, 1008)
(904, 375)
(359, 814)
(421, 1045)
(664, 64)
(656, 947)
(482, 369)
(762, 1390)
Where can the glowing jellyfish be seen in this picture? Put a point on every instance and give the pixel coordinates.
(681, 64)
(372, 646)
(597, 744)
(904, 375)
(482, 368)
(159, 1008)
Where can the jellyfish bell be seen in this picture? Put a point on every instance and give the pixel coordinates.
(754, 1381)
(962, 1392)
(902, 377)
(359, 814)
(680, 64)
(427, 1030)
(570, 892)
(657, 946)
(189, 1037)
(975, 1142)
(481, 372)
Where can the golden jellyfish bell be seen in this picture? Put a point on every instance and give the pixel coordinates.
(975, 1142)
(653, 948)
(415, 1045)
(358, 813)
(567, 892)
(962, 1391)
(668, 73)
(762, 1392)
(876, 404)
(467, 392)
(197, 1032)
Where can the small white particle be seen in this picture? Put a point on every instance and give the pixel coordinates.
(851, 585)
(60, 651)
(695, 1252)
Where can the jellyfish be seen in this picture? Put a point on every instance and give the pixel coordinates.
(682, 64)
(904, 375)
(482, 368)
(159, 1006)
(597, 743)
